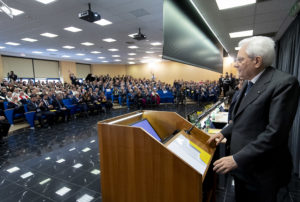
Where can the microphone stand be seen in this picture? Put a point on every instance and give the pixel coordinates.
(203, 115)
(193, 126)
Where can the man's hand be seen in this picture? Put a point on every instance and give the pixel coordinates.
(217, 137)
(2, 118)
(224, 165)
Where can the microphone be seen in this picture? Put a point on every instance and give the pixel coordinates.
(193, 126)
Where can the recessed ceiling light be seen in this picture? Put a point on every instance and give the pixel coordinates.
(101, 57)
(117, 60)
(52, 49)
(237, 48)
(37, 52)
(109, 40)
(14, 12)
(48, 158)
(241, 34)
(65, 56)
(132, 63)
(103, 22)
(80, 54)
(113, 49)
(45, 1)
(11, 11)
(225, 4)
(68, 47)
(50, 35)
(72, 29)
(72, 149)
(131, 53)
(87, 44)
(95, 52)
(149, 51)
(29, 39)
(12, 43)
(132, 35)
(115, 56)
(131, 59)
(87, 59)
(156, 44)
(2, 47)
(133, 47)
(105, 61)
(146, 57)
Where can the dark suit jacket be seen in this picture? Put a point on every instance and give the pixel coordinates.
(260, 129)
(32, 107)
(58, 104)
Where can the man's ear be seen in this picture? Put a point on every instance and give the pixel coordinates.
(258, 62)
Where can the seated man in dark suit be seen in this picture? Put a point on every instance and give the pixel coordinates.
(260, 160)
(2, 100)
(42, 111)
(78, 102)
(61, 110)
(4, 125)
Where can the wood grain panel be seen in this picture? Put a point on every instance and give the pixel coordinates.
(137, 168)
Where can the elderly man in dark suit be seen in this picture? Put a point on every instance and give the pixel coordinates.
(260, 161)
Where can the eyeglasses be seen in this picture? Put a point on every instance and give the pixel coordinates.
(239, 60)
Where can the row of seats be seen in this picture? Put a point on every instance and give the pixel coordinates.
(30, 116)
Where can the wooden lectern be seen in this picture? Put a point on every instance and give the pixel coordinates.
(135, 167)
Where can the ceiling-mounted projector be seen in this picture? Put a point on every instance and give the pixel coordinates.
(139, 36)
(89, 15)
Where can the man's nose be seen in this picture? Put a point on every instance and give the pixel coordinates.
(236, 65)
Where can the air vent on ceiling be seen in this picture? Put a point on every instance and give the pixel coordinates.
(260, 1)
(129, 42)
(139, 12)
(270, 34)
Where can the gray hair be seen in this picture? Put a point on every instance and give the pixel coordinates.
(260, 46)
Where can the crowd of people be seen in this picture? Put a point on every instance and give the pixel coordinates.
(95, 94)
(227, 83)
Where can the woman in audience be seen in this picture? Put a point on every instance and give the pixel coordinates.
(106, 104)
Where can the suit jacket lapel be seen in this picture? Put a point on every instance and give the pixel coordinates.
(238, 102)
(255, 91)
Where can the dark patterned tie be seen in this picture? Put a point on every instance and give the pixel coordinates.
(249, 86)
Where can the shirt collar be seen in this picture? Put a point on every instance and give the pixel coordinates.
(254, 80)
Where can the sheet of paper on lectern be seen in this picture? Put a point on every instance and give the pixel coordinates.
(190, 153)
